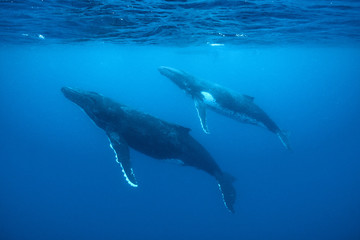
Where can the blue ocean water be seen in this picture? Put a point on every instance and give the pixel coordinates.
(299, 59)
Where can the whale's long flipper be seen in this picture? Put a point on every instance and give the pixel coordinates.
(121, 149)
(225, 181)
(201, 110)
(284, 139)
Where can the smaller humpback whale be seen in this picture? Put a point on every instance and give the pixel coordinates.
(222, 100)
(127, 128)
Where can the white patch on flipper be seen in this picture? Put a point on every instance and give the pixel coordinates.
(201, 111)
(282, 140)
(122, 168)
(208, 98)
(201, 123)
(223, 197)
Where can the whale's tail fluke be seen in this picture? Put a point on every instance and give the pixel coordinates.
(227, 189)
(284, 139)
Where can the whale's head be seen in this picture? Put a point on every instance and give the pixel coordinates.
(94, 104)
(85, 100)
(180, 78)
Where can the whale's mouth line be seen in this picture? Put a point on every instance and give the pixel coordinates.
(169, 72)
(69, 90)
(166, 71)
(71, 93)
(74, 95)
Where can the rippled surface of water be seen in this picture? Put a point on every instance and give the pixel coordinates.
(181, 22)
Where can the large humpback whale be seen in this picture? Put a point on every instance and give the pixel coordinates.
(126, 128)
(222, 100)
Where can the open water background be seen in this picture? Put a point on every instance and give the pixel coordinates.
(299, 59)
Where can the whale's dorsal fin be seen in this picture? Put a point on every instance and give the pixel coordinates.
(201, 110)
(249, 97)
(122, 155)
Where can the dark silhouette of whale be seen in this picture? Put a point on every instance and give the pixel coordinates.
(222, 100)
(126, 128)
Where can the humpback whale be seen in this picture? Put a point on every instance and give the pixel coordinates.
(222, 100)
(128, 128)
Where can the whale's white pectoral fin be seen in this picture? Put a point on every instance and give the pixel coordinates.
(122, 155)
(201, 110)
(284, 139)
